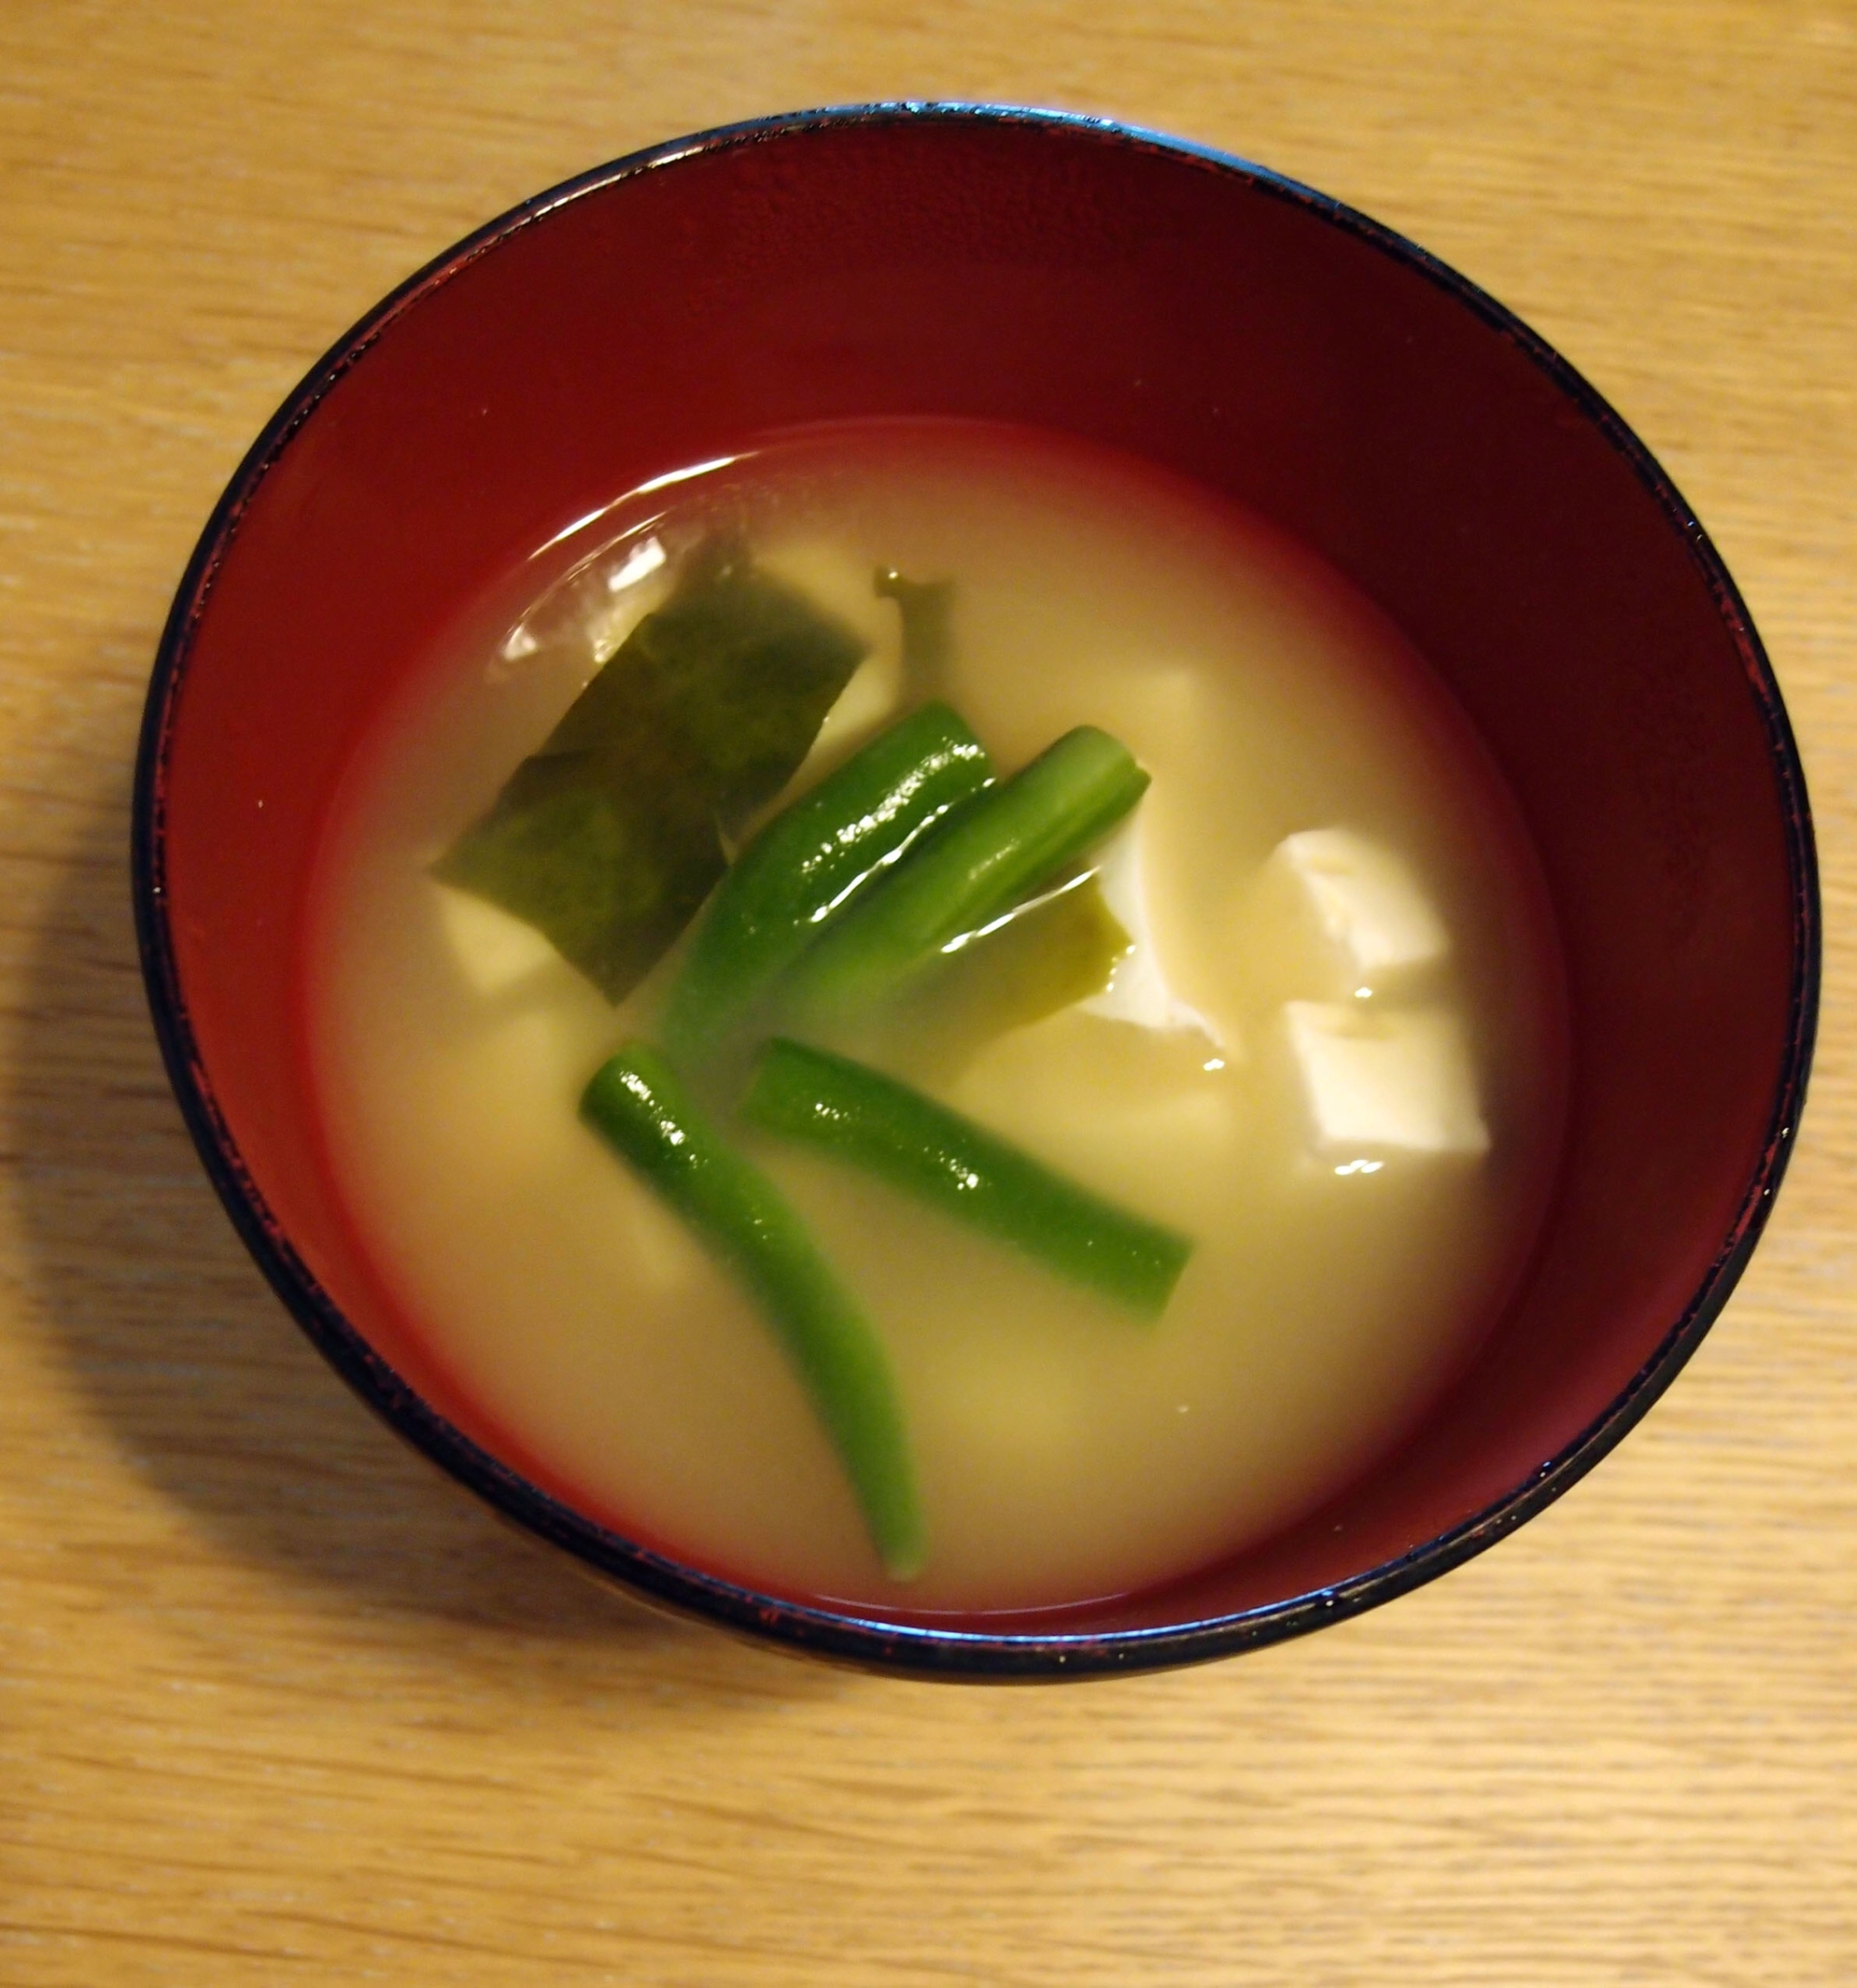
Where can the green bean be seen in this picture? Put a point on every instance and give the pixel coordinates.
(991, 852)
(809, 864)
(636, 1102)
(856, 1115)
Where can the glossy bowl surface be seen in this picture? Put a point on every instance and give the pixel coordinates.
(1160, 300)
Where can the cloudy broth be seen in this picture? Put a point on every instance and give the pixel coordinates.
(1334, 1058)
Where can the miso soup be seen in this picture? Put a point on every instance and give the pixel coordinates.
(1323, 1043)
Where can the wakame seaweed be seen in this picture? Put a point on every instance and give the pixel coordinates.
(1050, 954)
(610, 837)
(927, 611)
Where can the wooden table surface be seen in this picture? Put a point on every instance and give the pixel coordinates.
(277, 1705)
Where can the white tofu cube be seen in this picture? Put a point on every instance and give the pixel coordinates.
(1366, 902)
(494, 950)
(1399, 1079)
(1137, 992)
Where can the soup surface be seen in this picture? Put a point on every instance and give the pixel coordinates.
(1333, 1055)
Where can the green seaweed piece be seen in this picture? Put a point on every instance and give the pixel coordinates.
(1044, 956)
(927, 611)
(608, 838)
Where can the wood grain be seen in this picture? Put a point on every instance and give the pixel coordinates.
(277, 1705)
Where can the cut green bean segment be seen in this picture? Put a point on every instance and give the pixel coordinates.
(989, 853)
(636, 1102)
(856, 1115)
(807, 867)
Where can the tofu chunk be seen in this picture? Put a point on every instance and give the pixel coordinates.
(1138, 992)
(1366, 902)
(1396, 1078)
(494, 950)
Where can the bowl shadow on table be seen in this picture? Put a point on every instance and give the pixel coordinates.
(199, 1376)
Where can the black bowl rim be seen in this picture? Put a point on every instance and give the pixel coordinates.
(914, 1648)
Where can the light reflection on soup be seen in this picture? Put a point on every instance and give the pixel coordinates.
(1336, 1057)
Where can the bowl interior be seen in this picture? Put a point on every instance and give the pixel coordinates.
(1153, 300)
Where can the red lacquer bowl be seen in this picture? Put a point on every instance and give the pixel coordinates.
(1157, 298)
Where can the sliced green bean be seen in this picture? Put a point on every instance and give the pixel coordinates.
(997, 849)
(809, 866)
(636, 1102)
(856, 1115)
